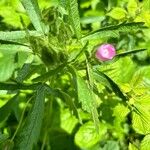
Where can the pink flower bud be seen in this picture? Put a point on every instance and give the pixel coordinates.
(105, 52)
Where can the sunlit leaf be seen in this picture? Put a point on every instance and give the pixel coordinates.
(145, 144)
(113, 31)
(34, 13)
(117, 13)
(74, 17)
(87, 136)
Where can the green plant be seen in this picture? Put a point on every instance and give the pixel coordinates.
(53, 89)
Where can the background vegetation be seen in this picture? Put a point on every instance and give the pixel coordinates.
(54, 93)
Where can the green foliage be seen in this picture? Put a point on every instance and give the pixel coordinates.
(113, 31)
(74, 18)
(30, 131)
(52, 88)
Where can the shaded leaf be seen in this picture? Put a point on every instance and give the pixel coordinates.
(6, 109)
(30, 131)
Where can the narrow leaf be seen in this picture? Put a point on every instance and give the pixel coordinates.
(17, 36)
(34, 13)
(74, 17)
(114, 31)
(129, 52)
(86, 98)
(29, 133)
(7, 108)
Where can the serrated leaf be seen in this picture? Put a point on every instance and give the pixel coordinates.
(141, 120)
(29, 133)
(23, 72)
(145, 144)
(74, 17)
(86, 98)
(85, 95)
(87, 136)
(34, 13)
(117, 13)
(114, 31)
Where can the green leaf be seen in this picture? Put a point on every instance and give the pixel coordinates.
(23, 72)
(87, 136)
(7, 108)
(146, 5)
(69, 102)
(30, 131)
(132, 7)
(13, 48)
(3, 137)
(74, 17)
(129, 52)
(122, 111)
(68, 121)
(145, 144)
(7, 65)
(111, 145)
(114, 30)
(34, 13)
(132, 147)
(107, 81)
(92, 19)
(117, 13)
(86, 98)
(17, 36)
(141, 120)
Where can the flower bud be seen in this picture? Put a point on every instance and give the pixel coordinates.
(105, 52)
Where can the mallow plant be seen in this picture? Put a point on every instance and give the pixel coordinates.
(67, 86)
